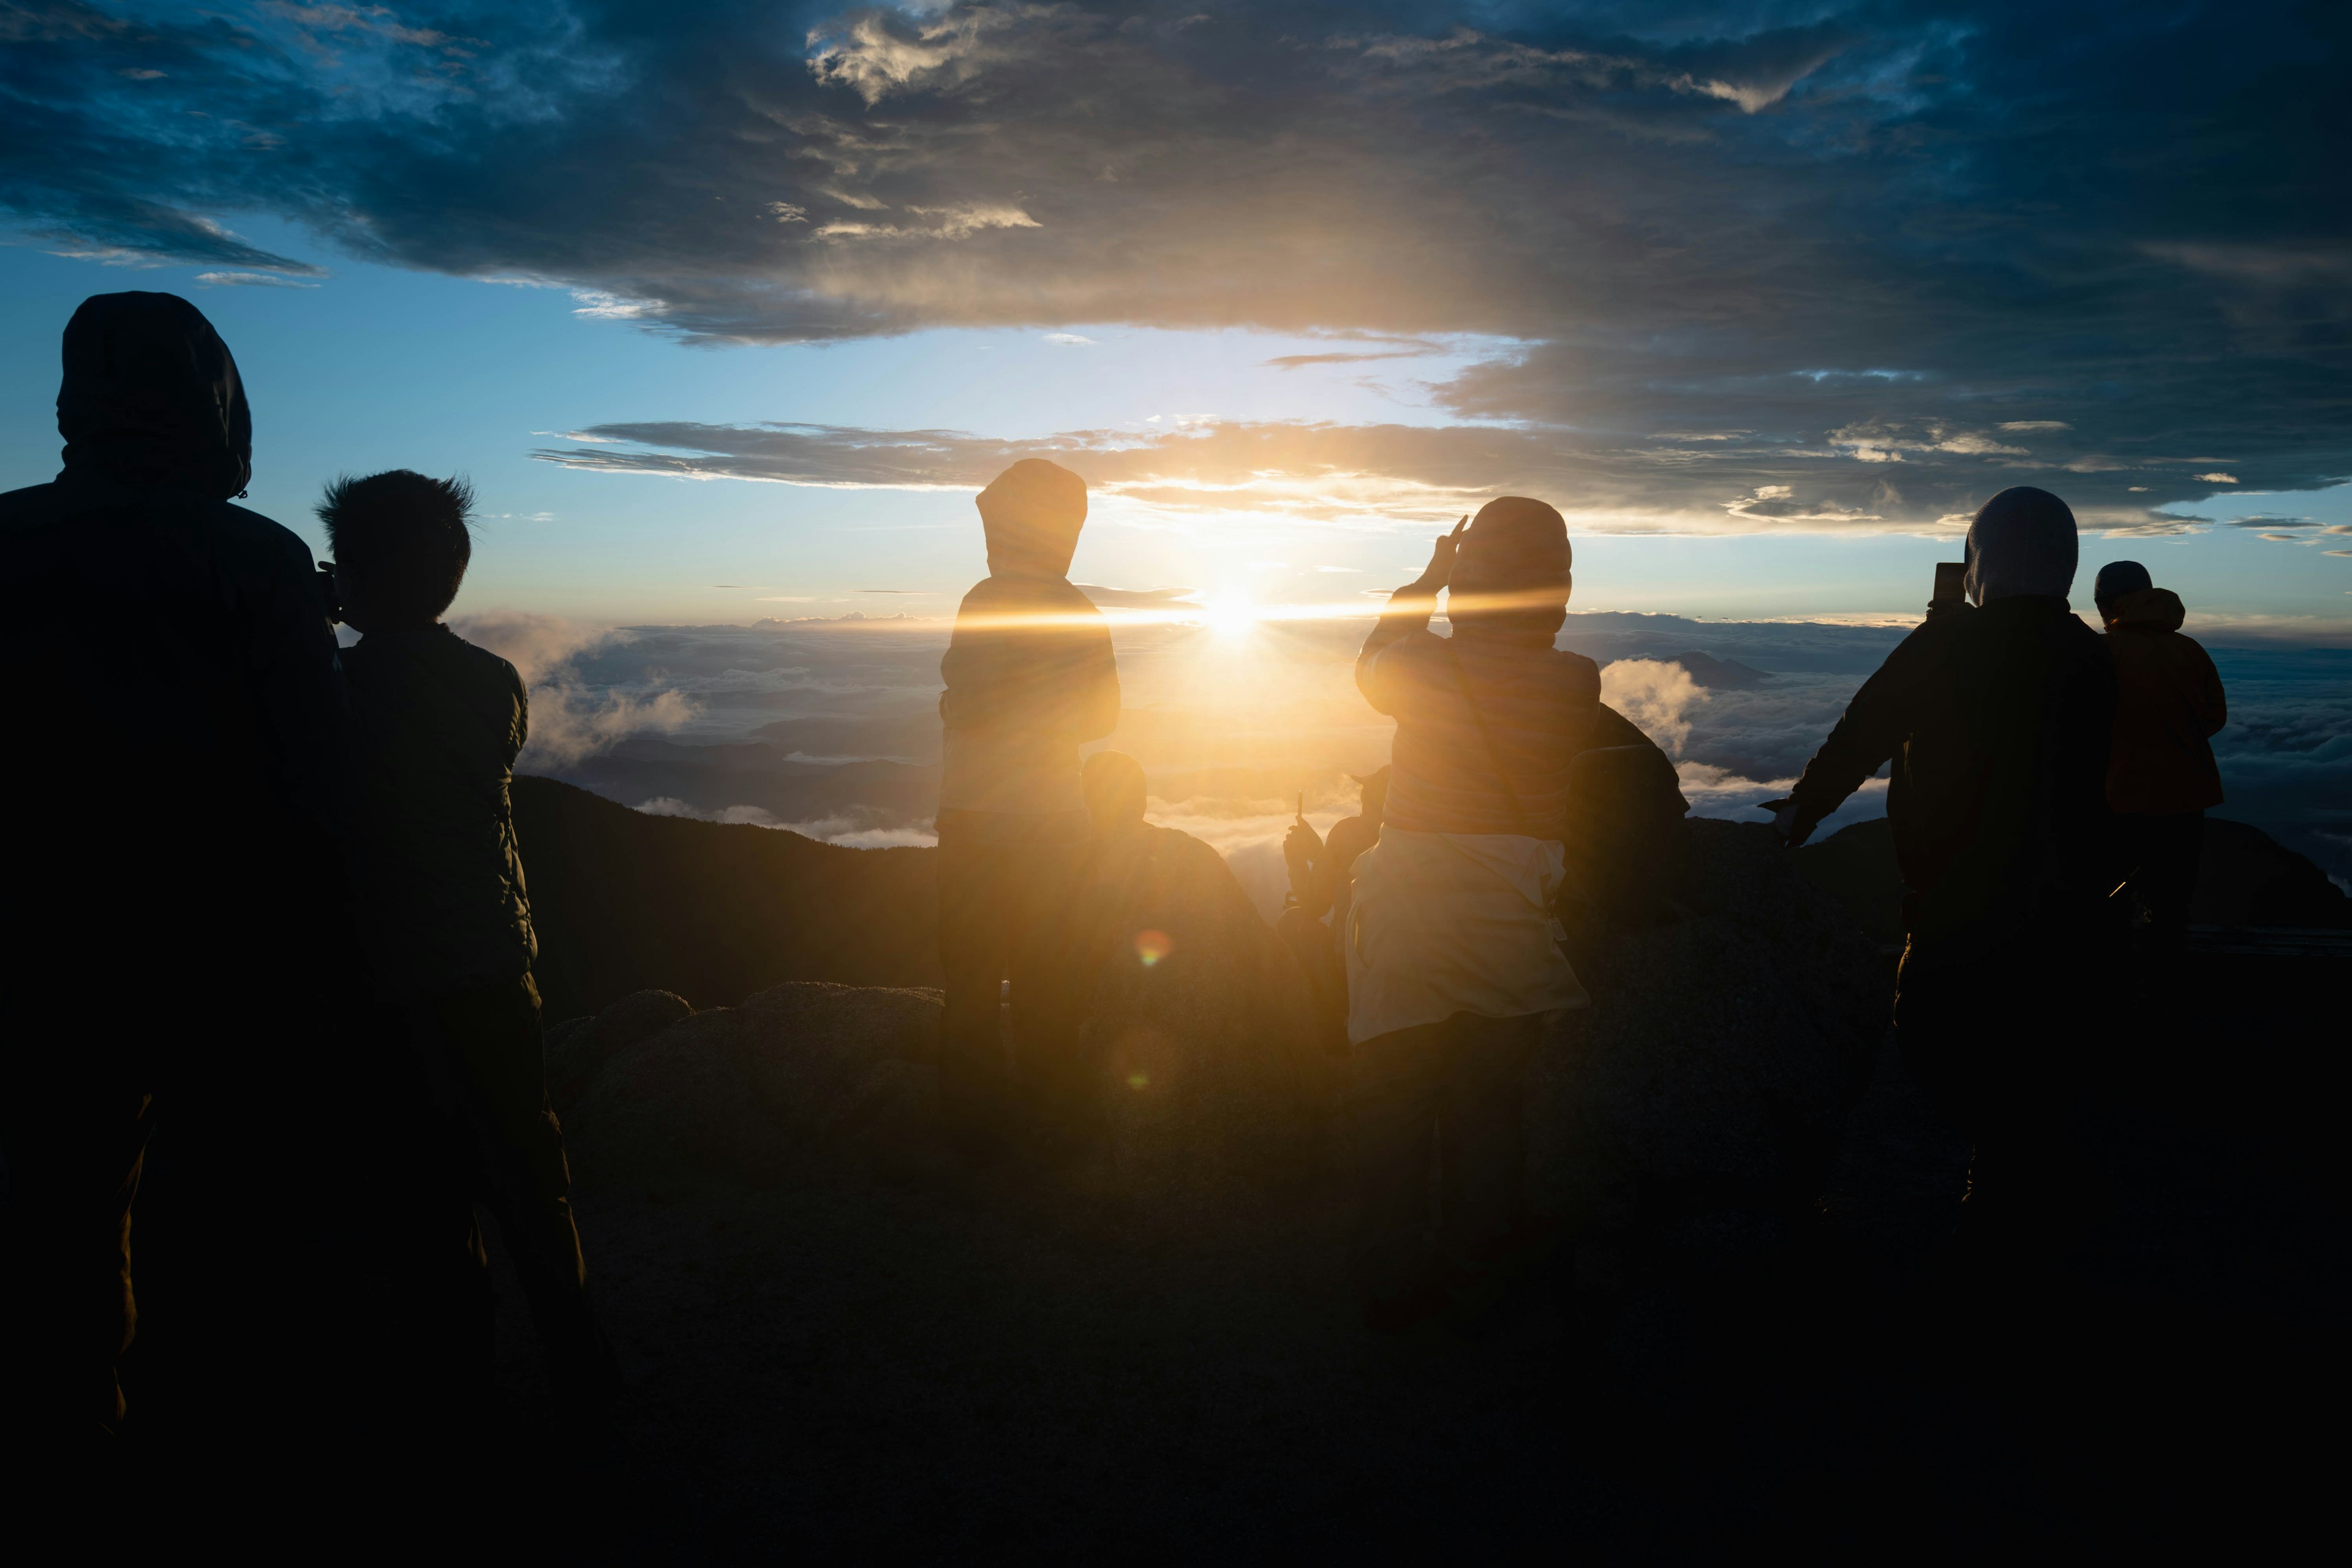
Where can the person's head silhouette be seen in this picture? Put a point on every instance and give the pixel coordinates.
(401, 542)
(1113, 783)
(1032, 513)
(152, 397)
(2118, 580)
(1512, 571)
(2023, 544)
(1372, 793)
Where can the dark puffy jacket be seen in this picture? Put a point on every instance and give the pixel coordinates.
(1540, 706)
(2169, 704)
(1997, 720)
(178, 697)
(437, 726)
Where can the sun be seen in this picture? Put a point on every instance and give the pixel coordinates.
(1230, 616)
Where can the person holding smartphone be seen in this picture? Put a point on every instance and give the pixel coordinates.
(1455, 965)
(1996, 715)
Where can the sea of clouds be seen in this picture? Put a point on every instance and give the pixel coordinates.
(1240, 736)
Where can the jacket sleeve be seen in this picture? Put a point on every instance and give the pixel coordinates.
(1873, 727)
(1409, 609)
(1095, 708)
(299, 676)
(2208, 702)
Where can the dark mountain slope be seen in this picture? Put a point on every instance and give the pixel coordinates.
(713, 911)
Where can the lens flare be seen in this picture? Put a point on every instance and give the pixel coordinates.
(1151, 946)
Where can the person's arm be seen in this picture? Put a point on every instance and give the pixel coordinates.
(1874, 725)
(2209, 703)
(1409, 609)
(298, 675)
(1095, 710)
(1303, 858)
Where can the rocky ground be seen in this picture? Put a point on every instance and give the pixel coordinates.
(1750, 1331)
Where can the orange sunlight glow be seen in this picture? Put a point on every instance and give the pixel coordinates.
(1230, 616)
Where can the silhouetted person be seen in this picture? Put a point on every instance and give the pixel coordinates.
(2161, 776)
(1453, 961)
(1321, 881)
(1997, 720)
(176, 884)
(436, 725)
(1030, 675)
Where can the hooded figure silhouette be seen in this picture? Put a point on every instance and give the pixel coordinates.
(2161, 776)
(174, 657)
(1996, 719)
(1030, 675)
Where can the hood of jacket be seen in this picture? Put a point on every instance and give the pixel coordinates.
(2149, 610)
(1512, 575)
(2023, 544)
(152, 397)
(1032, 513)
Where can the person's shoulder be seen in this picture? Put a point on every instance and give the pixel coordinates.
(1417, 646)
(265, 538)
(1577, 672)
(481, 667)
(482, 658)
(29, 504)
(1008, 595)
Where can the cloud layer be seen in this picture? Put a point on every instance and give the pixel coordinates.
(1783, 265)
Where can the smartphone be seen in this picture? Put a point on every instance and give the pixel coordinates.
(1302, 805)
(1951, 581)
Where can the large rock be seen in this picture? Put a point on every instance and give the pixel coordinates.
(1205, 1026)
(742, 1092)
(1711, 1077)
(1725, 1046)
(578, 1048)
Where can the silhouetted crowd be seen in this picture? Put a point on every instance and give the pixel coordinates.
(270, 899)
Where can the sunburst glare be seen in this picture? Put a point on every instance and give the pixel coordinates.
(1230, 616)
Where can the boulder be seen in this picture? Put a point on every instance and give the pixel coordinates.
(742, 1092)
(578, 1048)
(837, 1065)
(1725, 1046)
(673, 1108)
(1213, 1052)
(1706, 1088)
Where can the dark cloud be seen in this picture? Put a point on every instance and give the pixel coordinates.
(1903, 253)
(1863, 476)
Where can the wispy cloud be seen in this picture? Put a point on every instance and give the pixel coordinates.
(251, 280)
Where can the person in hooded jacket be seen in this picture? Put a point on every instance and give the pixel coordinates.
(436, 724)
(177, 880)
(1030, 675)
(1997, 718)
(2161, 777)
(1454, 966)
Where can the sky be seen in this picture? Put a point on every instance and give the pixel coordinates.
(728, 310)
